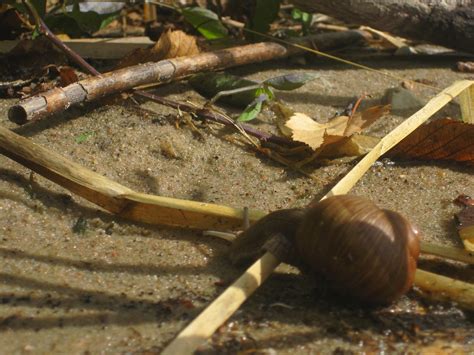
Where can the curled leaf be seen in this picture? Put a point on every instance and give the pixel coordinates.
(172, 44)
(362, 120)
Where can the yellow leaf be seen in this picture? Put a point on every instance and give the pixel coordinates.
(282, 114)
(355, 145)
(306, 130)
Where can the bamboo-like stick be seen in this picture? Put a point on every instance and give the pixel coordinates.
(201, 328)
(466, 101)
(443, 288)
(195, 333)
(117, 198)
(451, 253)
(223, 307)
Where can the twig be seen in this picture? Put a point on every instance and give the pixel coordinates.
(44, 30)
(444, 288)
(452, 253)
(116, 198)
(204, 113)
(223, 306)
(222, 235)
(218, 117)
(59, 99)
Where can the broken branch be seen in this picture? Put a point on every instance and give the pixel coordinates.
(90, 89)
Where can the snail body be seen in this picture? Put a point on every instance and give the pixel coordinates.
(364, 251)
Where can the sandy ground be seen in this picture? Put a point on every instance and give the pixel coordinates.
(113, 286)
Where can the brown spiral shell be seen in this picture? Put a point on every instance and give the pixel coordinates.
(366, 252)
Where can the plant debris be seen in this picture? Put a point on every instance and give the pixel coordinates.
(444, 139)
(302, 128)
(172, 44)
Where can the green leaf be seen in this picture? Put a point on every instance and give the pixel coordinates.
(252, 110)
(289, 81)
(266, 11)
(265, 90)
(305, 18)
(83, 137)
(76, 23)
(205, 21)
(209, 84)
(36, 33)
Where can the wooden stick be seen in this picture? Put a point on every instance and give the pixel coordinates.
(451, 253)
(466, 101)
(188, 340)
(90, 89)
(223, 306)
(443, 288)
(202, 113)
(117, 198)
(96, 48)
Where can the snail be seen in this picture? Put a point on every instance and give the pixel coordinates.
(364, 251)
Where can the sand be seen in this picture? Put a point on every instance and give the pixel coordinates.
(77, 280)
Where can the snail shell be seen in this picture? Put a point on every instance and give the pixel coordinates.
(367, 252)
(364, 251)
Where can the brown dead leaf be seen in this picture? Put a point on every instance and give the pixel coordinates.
(67, 75)
(172, 44)
(362, 120)
(466, 67)
(355, 145)
(444, 139)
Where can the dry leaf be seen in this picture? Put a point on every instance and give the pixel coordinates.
(305, 129)
(466, 67)
(316, 135)
(389, 40)
(444, 139)
(172, 44)
(362, 120)
(67, 75)
(356, 145)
